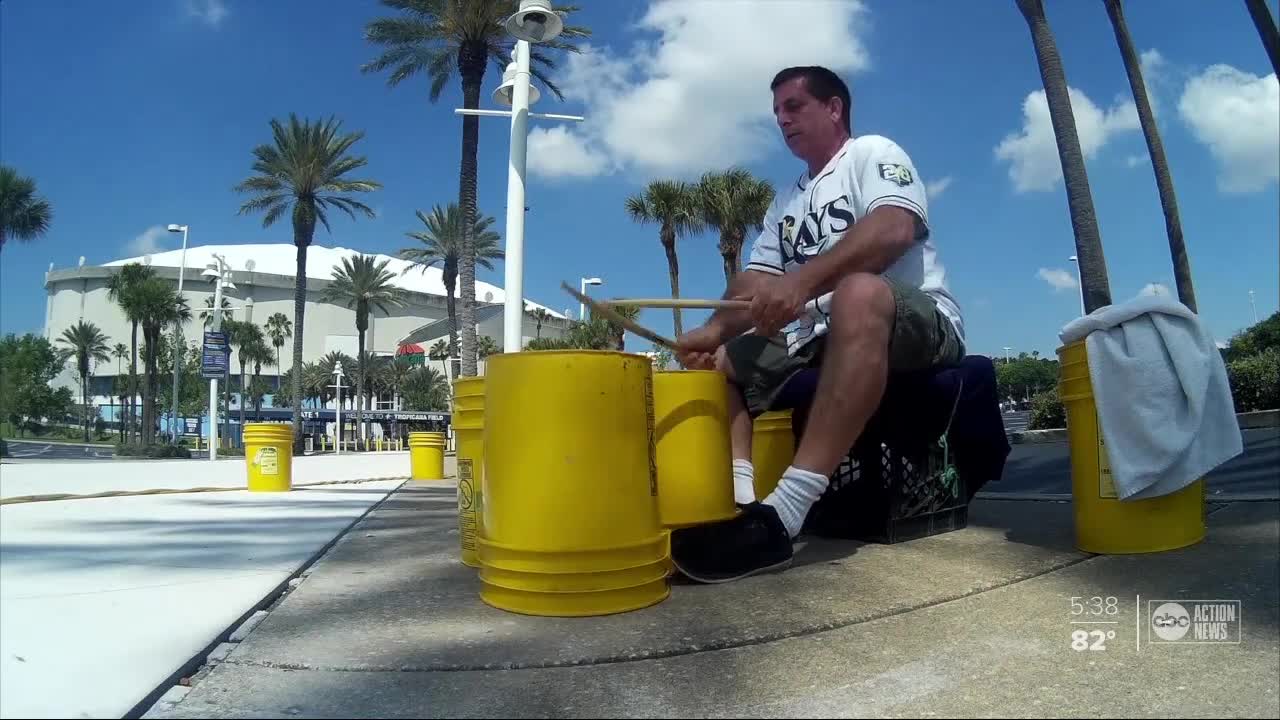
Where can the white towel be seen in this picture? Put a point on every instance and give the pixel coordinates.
(1160, 388)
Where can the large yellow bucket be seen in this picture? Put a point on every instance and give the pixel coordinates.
(691, 435)
(1104, 523)
(426, 455)
(268, 452)
(571, 523)
(468, 427)
(773, 447)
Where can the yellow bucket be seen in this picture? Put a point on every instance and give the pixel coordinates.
(773, 447)
(691, 435)
(426, 455)
(468, 427)
(1104, 523)
(571, 525)
(268, 452)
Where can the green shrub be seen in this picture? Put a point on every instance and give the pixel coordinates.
(4, 449)
(1255, 381)
(1047, 411)
(151, 451)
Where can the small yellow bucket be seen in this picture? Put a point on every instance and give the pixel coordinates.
(570, 512)
(268, 452)
(426, 455)
(468, 428)
(773, 447)
(691, 435)
(1104, 523)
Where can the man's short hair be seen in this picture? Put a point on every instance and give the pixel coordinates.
(821, 83)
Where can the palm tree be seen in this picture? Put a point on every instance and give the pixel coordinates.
(1093, 266)
(675, 207)
(363, 282)
(1164, 180)
(122, 290)
(1267, 30)
(396, 373)
(159, 306)
(304, 172)
(441, 244)
(87, 343)
(733, 202)
(486, 346)
(248, 340)
(439, 37)
(120, 351)
(23, 215)
(279, 329)
(207, 314)
(540, 316)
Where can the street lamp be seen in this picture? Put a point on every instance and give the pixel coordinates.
(534, 22)
(1006, 354)
(337, 385)
(582, 288)
(1080, 282)
(220, 272)
(178, 344)
(1255, 308)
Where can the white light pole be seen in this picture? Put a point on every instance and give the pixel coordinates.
(337, 385)
(179, 346)
(582, 288)
(1080, 282)
(534, 22)
(1006, 353)
(1255, 308)
(220, 271)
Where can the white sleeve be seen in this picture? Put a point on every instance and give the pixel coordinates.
(889, 177)
(766, 251)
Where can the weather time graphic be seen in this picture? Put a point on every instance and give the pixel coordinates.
(1102, 622)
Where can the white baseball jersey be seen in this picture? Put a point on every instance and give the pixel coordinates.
(812, 215)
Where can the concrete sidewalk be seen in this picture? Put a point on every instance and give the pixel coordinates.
(104, 600)
(976, 622)
(23, 479)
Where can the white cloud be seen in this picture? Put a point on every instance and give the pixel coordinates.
(695, 96)
(937, 187)
(1134, 161)
(1237, 115)
(209, 12)
(1058, 278)
(1032, 153)
(148, 242)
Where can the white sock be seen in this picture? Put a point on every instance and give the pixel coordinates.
(796, 493)
(744, 482)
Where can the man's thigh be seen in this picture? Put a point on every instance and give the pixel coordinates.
(761, 366)
(922, 335)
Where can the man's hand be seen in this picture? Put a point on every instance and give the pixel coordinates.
(778, 301)
(696, 349)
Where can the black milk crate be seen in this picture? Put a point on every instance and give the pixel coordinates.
(887, 495)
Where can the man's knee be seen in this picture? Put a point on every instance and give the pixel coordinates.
(863, 304)
(723, 364)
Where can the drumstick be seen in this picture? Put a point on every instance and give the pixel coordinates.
(680, 303)
(607, 312)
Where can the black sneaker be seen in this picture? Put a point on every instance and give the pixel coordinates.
(755, 541)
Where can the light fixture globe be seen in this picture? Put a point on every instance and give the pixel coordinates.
(504, 95)
(535, 22)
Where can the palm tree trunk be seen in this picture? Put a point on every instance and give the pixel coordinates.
(1266, 26)
(471, 65)
(451, 307)
(1164, 179)
(244, 392)
(146, 390)
(84, 399)
(728, 257)
(673, 269)
(359, 398)
(1084, 222)
(133, 381)
(301, 238)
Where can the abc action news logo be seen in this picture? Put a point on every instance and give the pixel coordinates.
(1195, 621)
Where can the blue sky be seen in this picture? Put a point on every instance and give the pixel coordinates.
(135, 115)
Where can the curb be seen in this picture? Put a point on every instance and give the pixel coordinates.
(21, 499)
(1248, 421)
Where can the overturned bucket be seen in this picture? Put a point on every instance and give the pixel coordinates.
(468, 428)
(268, 452)
(1104, 524)
(426, 455)
(571, 524)
(773, 447)
(694, 457)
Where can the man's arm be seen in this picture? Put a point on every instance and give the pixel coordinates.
(873, 244)
(728, 323)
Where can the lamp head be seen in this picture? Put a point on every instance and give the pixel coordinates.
(592, 281)
(505, 93)
(177, 228)
(535, 22)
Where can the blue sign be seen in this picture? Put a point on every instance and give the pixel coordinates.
(215, 355)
